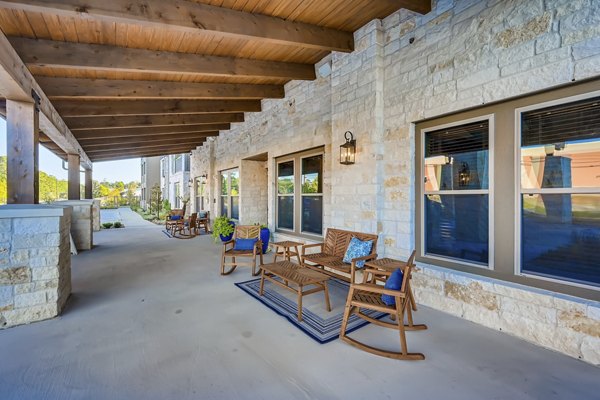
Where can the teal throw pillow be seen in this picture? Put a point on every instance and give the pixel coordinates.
(357, 248)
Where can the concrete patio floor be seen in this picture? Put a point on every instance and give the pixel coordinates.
(150, 318)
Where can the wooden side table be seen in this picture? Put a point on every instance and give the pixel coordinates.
(284, 249)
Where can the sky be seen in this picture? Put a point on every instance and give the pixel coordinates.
(123, 170)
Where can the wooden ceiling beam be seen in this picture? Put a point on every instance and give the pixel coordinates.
(155, 151)
(147, 139)
(142, 145)
(140, 121)
(61, 88)
(71, 108)
(17, 83)
(209, 130)
(128, 155)
(78, 56)
(191, 17)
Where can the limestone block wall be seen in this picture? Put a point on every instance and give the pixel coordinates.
(405, 68)
(562, 323)
(254, 184)
(35, 262)
(81, 222)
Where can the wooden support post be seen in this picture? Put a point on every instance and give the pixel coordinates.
(74, 190)
(88, 184)
(22, 174)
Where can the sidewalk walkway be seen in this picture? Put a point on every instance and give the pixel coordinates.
(151, 318)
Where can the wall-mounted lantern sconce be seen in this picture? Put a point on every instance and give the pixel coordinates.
(348, 149)
(203, 179)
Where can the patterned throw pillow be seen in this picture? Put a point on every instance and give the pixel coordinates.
(202, 214)
(394, 282)
(357, 248)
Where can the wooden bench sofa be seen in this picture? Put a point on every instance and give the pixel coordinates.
(331, 253)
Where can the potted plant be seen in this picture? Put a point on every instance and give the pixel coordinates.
(223, 228)
(265, 236)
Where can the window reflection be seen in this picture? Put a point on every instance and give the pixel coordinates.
(562, 236)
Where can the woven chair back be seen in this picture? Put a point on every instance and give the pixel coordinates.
(337, 240)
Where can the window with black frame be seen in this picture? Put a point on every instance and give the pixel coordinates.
(560, 190)
(456, 192)
(300, 193)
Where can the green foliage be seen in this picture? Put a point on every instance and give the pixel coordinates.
(221, 226)
(118, 224)
(155, 205)
(107, 225)
(166, 205)
(53, 189)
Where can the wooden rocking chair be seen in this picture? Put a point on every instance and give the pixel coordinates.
(186, 229)
(368, 296)
(242, 232)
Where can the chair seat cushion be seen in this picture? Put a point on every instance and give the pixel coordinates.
(245, 244)
(358, 248)
(394, 282)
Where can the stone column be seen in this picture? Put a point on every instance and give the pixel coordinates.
(22, 174)
(81, 222)
(74, 190)
(35, 262)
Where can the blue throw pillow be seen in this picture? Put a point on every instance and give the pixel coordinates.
(394, 282)
(245, 244)
(175, 217)
(357, 248)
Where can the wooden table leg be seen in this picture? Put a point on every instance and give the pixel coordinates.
(299, 303)
(326, 290)
(297, 254)
(262, 283)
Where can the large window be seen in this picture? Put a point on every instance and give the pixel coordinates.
(300, 193)
(559, 197)
(456, 188)
(230, 193)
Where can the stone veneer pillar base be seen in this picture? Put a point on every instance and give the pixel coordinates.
(81, 222)
(95, 215)
(35, 262)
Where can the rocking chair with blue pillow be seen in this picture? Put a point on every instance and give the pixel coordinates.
(394, 298)
(245, 243)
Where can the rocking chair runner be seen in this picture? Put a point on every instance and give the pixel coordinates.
(242, 232)
(368, 296)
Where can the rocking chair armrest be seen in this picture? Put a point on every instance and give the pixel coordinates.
(230, 241)
(306, 246)
(355, 260)
(373, 288)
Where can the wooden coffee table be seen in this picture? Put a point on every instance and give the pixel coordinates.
(300, 277)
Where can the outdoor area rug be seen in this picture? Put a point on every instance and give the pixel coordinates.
(317, 323)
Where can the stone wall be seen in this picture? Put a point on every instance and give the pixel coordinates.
(563, 323)
(254, 185)
(405, 68)
(81, 222)
(35, 262)
(96, 215)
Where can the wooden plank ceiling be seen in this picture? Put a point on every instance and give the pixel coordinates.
(138, 78)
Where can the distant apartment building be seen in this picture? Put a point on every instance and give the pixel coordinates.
(174, 178)
(150, 169)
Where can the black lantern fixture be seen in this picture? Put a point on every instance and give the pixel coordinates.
(348, 149)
